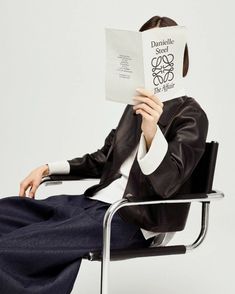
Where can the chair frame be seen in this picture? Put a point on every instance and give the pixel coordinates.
(177, 249)
(107, 255)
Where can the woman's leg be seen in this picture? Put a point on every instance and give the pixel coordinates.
(43, 241)
(35, 251)
(17, 212)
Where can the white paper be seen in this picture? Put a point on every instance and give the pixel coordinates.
(152, 59)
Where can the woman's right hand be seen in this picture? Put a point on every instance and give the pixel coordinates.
(33, 181)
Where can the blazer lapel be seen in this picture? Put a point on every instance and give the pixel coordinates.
(127, 136)
(169, 109)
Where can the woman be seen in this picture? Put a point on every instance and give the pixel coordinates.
(150, 155)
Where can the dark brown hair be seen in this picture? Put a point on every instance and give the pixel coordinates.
(165, 22)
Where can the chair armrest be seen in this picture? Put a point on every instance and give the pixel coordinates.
(121, 254)
(181, 198)
(58, 179)
(128, 200)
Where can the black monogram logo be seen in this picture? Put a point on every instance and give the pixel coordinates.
(162, 68)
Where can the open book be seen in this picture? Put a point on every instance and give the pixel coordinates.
(152, 59)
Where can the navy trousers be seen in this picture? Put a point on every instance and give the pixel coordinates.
(42, 241)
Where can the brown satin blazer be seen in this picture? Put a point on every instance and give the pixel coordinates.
(184, 125)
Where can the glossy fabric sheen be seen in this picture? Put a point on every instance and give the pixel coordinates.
(43, 241)
(184, 125)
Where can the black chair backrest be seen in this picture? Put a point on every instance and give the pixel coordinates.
(203, 174)
(201, 179)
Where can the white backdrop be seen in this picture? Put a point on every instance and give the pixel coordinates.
(52, 107)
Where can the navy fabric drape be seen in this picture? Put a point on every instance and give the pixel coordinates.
(42, 241)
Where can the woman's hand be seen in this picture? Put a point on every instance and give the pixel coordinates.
(33, 181)
(151, 109)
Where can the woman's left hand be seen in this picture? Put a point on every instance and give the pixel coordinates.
(151, 109)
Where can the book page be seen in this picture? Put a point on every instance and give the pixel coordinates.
(124, 70)
(163, 52)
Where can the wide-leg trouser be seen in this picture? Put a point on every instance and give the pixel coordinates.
(42, 241)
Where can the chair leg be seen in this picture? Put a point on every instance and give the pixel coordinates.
(204, 227)
(106, 244)
(105, 254)
(104, 278)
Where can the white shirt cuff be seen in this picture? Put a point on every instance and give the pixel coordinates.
(59, 167)
(149, 161)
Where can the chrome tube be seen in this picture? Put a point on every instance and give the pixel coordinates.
(106, 243)
(47, 181)
(124, 202)
(204, 228)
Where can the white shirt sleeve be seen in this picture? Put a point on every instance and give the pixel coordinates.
(149, 161)
(59, 167)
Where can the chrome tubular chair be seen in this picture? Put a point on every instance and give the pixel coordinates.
(200, 184)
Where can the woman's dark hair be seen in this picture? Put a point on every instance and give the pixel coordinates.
(165, 22)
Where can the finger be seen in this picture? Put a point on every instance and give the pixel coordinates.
(33, 189)
(145, 114)
(146, 92)
(32, 193)
(36, 184)
(149, 101)
(23, 187)
(155, 113)
(21, 193)
(150, 94)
